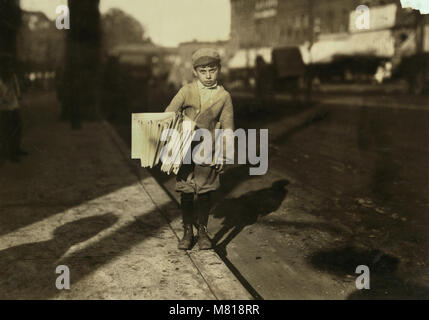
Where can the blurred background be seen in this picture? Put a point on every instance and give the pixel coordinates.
(267, 47)
(347, 109)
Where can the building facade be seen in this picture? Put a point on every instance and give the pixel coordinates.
(280, 23)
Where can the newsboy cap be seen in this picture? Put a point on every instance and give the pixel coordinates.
(205, 56)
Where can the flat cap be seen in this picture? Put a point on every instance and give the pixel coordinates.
(205, 56)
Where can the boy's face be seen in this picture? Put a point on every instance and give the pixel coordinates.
(207, 74)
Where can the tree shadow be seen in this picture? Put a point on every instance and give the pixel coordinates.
(237, 213)
(28, 270)
(385, 283)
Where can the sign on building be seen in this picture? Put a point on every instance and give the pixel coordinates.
(265, 9)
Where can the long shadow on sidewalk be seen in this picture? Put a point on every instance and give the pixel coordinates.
(30, 267)
(28, 270)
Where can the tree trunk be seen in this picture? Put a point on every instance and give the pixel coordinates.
(82, 62)
(10, 21)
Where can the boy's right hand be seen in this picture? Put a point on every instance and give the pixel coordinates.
(219, 167)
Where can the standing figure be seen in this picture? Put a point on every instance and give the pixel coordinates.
(261, 79)
(209, 105)
(10, 117)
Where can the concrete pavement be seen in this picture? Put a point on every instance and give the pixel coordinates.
(78, 200)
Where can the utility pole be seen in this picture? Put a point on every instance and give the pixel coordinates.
(419, 27)
(311, 22)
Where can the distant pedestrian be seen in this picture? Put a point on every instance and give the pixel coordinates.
(261, 80)
(10, 118)
(208, 104)
(263, 72)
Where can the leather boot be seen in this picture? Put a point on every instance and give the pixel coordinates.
(188, 238)
(204, 242)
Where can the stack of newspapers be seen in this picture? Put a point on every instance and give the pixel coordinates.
(161, 137)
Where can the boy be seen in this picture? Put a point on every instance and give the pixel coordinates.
(207, 103)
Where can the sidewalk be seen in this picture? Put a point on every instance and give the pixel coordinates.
(78, 200)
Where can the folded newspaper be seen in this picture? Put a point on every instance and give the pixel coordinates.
(161, 137)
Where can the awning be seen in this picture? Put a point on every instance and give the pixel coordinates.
(376, 43)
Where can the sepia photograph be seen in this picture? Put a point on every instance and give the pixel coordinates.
(190, 151)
